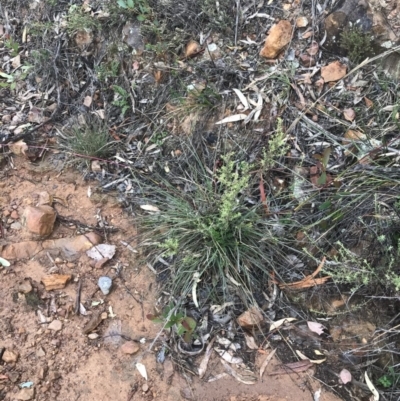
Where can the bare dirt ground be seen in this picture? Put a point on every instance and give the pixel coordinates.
(66, 364)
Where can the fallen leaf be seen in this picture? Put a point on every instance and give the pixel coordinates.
(316, 327)
(345, 376)
(266, 362)
(142, 369)
(278, 323)
(317, 395)
(87, 101)
(305, 358)
(352, 135)
(369, 103)
(333, 71)
(372, 388)
(313, 49)
(4, 262)
(16, 61)
(349, 114)
(204, 362)
(248, 379)
(250, 341)
(150, 208)
(227, 356)
(232, 119)
(242, 98)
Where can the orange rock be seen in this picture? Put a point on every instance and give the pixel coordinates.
(279, 36)
(39, 220)
(333, 71)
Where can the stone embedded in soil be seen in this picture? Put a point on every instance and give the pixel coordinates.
(55, 325)
(333, 71)
(39, 220)
(21, 250)
(55, 281)
(16, 226)
(25, 394)
(25, 287)
(14, 215)
(250, 318)
(279, 36)
(10, 356)
(105, 284)
(130, 347)
(45, 199)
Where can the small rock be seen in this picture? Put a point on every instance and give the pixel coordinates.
(45, 199)
(55, 325)
(105, 284)
(10, 356)
(55, 281)
(70, 265)
(39, 220)
(279, 36)
(301, 22)
(130, 347)
(25, 287)
(93, 336)
(25, 394)
(14, 215)
(100, 263)
(250, 318)
(16, 226)
(58, 261)
(6, 213)
(145, 388)
(40, 352)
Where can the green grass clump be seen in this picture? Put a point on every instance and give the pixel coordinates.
(79, 20)
(209, 232)
(88, 137)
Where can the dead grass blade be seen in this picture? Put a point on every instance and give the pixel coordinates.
(266, 362)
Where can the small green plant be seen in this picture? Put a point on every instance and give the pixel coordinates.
(277, 147)
(183, 325)
(121, 99)
(390, 379)
(108, 70)
(356, 44)
(141, 7)
(11, 80)
(79, 20)
(211, 233)
(88, 137)
(13, 46)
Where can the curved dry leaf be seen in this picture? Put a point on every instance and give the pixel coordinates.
(250, 341)
(266, 362)
(242, 98)
(4, 262)
(316, 327)
(333, 71)
(228, 357)
(142, 369)
(204, 362)
(372, 388)
(305, 358)
(232, 119)
(278, 323)
(345, 376)
(349, 114)
(150, 208)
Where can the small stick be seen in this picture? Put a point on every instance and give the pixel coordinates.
(78, 297)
